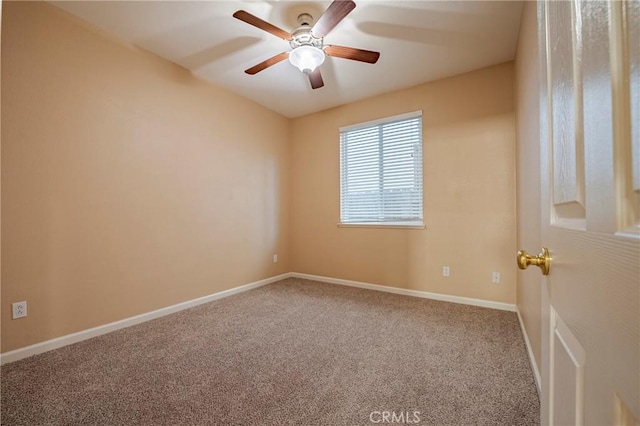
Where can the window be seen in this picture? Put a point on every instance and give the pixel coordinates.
(381, 172)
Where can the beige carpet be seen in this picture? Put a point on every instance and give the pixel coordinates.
(295, 352)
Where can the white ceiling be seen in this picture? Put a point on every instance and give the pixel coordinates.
(418, 41)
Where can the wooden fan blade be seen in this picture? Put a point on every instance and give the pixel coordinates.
(315, 78)
(361, 55)
(250, 19)
(266, 64)
(335, 13)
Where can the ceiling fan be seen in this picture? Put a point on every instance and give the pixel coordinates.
(307, 42)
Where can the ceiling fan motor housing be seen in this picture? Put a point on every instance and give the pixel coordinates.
(301, 36)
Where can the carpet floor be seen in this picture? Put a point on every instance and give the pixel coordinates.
(295, 352)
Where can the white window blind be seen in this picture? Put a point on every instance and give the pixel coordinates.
(381, 171)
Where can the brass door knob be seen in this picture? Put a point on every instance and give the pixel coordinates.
(543, 260)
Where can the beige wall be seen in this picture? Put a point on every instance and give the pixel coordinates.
(127, 184)
(469, 192)
(528, 167)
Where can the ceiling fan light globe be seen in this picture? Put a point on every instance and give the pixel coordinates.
(306, 58)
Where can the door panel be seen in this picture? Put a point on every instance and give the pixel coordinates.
(591, 299)
(568, 378)
(597, 81)
(566, 136)
(626, 97)
(631, 12)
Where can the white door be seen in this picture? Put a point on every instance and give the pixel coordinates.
(590, 197)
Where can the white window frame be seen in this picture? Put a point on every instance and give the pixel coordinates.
(418, 222)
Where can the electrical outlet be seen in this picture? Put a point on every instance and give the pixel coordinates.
(445, 271)
(496, 278)
(19, 309)
(275, 258)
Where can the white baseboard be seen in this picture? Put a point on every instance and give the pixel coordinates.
(415, 293)
(532, 359)
(69, 339)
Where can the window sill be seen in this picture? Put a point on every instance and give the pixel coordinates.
(386, 225)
